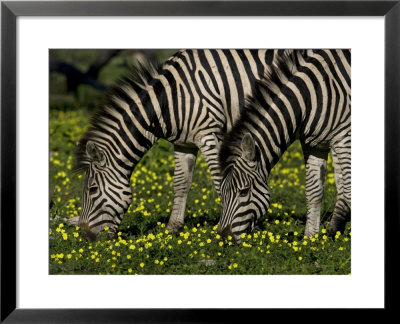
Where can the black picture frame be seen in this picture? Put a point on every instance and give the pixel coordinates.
(10, 10)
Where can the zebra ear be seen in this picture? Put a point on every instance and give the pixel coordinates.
(95, 153)
(248, 147)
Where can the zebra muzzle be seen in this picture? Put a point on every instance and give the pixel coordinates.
(225, 232)
(89, 235)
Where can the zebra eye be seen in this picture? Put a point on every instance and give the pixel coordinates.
(93, 190)
(244, 192)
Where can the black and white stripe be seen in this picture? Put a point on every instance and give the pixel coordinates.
(305, 96)
(192, 100)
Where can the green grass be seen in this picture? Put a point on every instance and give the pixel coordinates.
(276, 246)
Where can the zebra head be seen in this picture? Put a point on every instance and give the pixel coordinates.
(106, 193)
(244, 191)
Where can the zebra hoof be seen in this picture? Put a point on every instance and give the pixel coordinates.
(310, 233)
(174, 227)
(337, 224)
(335, 227)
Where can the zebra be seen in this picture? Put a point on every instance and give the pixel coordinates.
(305, 96)
(191, 100)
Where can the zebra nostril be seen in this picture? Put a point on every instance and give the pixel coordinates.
(225, 232)
(111, 235)
(89, 235)
(83, 225)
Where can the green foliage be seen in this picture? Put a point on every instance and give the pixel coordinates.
(87, 97)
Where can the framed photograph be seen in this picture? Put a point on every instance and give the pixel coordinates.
(66, 253)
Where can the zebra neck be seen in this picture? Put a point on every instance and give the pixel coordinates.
(151, 107)
(128, 127)
(274, 131)
(125, 151)
(270, 155)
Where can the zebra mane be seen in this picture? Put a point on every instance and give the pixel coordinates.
(141, 75)
(265, 92)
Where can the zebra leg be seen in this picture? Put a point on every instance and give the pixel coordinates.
(341, 157)
(315, 176)
(209, 147)
(185, 158)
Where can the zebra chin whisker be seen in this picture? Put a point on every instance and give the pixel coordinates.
(90, 237)
(106, 222)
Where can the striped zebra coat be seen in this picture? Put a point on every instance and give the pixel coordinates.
(191, 100)
(305, 96)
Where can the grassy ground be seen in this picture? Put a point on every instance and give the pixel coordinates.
(277, 245)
